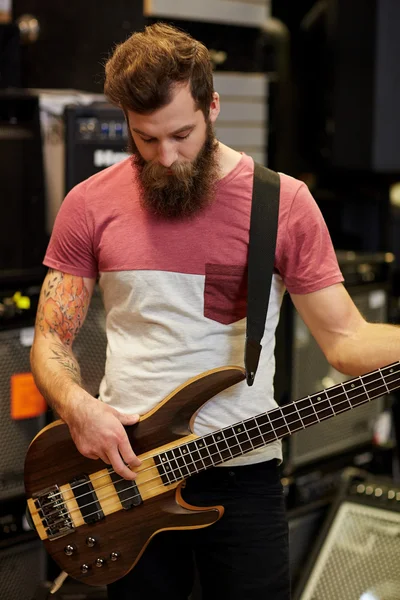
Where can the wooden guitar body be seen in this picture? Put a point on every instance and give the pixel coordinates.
(96, 525)
(66, 490)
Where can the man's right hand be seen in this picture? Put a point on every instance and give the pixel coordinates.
(98, 432)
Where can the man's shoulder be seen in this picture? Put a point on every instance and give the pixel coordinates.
(118, 173)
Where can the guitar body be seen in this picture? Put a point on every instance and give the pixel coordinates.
(97, 525)
(102, 551)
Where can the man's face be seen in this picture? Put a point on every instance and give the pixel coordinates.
(174, 150)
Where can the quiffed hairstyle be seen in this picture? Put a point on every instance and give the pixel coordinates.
(142, 72)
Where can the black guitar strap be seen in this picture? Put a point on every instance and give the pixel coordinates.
(262, 243)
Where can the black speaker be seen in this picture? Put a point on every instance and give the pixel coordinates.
(22, 223)
(15, 435)
(75, 38)
(91, 344)
(302, 368)
(304, 525)
(357, 554)
(348, 77)
(22, 568)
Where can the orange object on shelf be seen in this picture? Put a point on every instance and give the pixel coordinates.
(26, 400)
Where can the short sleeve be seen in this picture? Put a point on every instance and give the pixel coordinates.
(70, 249)
(305, 259)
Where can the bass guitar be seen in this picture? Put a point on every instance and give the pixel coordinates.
(96, 525)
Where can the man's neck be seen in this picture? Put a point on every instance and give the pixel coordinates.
(228, 159)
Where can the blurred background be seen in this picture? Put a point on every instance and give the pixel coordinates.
(310, 88)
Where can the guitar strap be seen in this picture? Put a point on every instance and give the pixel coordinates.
(262, 243)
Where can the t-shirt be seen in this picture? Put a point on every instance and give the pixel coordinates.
(174, 291)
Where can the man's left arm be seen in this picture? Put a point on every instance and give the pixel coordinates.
(350, 344)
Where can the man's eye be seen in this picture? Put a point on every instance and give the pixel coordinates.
(182, 137)
(148, 141)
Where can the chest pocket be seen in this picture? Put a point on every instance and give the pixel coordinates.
(225, 293)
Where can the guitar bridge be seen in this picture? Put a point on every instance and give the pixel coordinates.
(53, 512)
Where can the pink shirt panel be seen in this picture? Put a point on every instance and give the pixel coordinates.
(101, 227)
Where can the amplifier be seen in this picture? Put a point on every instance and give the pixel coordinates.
(15, 345)
(90, 345)
(357, 554)
(95, 138)
(15, 435)
(80, 34)
(302, 369)
(22, 568)
(22, 224)
(23, 561)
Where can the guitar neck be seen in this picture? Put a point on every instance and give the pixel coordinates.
(238, 439)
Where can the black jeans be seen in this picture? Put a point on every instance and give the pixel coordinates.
(244, 555)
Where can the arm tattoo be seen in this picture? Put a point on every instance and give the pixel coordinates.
(63, 306)
(67, 360)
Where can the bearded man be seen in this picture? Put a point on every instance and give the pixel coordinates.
(166, 232)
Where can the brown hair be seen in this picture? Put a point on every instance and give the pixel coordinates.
(142, 72)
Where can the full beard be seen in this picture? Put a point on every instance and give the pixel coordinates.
(184, 188)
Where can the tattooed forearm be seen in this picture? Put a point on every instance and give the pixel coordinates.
(63, 306)
(64, 357)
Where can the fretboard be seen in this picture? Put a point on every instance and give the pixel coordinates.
(238, 439)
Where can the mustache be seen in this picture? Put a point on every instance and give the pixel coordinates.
(158, 176)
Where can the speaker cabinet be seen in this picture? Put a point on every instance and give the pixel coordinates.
(22, 569)
(90, 345)
(357, 554)
(304, 525)
(74, 39)
(302, 369)
(15, 435)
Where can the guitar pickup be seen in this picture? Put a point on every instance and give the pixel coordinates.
(128, 491)
(87, 499)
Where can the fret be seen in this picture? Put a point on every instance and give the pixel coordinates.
(254, 432)
(324, 403)
(187, 456)
(294, 404)
(355, 394)
(204, 453)
(373, 385)
(212, 449)
(265, 426)
(195, 456)
(164, 469)
(181, 462)
(243, 438)
(313, 407)
(307, 412)
(384, 381)
(292, 417)
(175, 470)
(392, 376)
(223, 449)
(230, 439)
(286, 423)
(278, 424)
(364, 388)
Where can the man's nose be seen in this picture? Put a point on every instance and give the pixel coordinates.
(166, 155)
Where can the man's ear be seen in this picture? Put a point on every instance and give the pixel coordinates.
(214, 107)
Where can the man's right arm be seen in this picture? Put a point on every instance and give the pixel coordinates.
(97, 429)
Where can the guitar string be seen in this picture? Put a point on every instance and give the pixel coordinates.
(297, 413)
(170, 483)
(173, 472)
